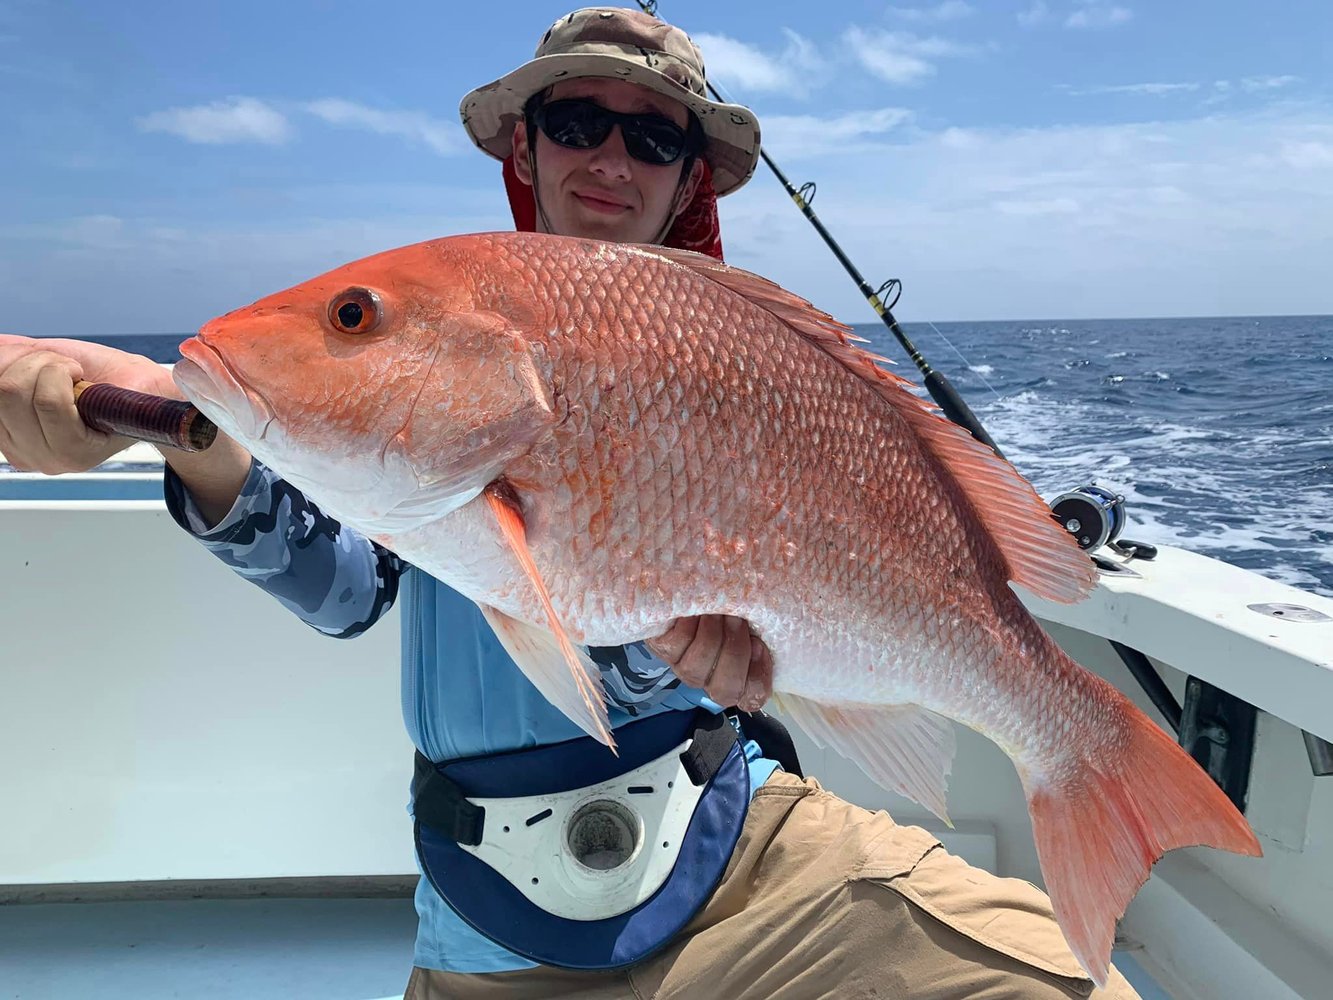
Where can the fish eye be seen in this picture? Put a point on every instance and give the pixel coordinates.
(356, 310)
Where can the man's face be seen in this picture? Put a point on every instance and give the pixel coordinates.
(604, 193)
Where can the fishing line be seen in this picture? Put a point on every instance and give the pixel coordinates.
(936, 384)
(964, 360)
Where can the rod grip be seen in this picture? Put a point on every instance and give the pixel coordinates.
(156, 419)
(942, 391)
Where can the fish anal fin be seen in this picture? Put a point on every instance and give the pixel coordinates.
(565, 676)
(1039, 554)
(905, 748)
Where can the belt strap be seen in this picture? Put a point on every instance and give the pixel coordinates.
(713, 740)
(438, 801)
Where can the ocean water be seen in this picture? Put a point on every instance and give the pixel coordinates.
(1218, 432)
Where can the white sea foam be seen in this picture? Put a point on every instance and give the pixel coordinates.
(1185, 485)
(981, 369)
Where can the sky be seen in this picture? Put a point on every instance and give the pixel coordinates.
(166, 162)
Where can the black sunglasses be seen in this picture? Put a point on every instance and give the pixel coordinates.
(650, 138)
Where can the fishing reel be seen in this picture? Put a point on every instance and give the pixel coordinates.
(1095, 516)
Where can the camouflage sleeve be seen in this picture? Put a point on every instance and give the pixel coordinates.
(635, 679)
(334, 579)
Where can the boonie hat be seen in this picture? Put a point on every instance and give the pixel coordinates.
(619, 44)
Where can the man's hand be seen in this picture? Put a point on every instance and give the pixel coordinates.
(719, 654)
(40, 429)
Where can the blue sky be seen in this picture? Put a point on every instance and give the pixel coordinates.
(166, 162)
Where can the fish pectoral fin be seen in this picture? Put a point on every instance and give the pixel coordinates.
(905, 748)
(564, 675)
(538, 654)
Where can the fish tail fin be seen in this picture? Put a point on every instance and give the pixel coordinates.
(1101, 823)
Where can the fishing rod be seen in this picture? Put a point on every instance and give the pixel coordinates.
(939, 387)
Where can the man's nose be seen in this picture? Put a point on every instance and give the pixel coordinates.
(611, 159)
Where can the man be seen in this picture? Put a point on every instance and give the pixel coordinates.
(607, 133)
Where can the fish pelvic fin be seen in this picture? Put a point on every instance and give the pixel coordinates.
(1100, 824)
(1039, 555)
(565, 676)
(904, 748)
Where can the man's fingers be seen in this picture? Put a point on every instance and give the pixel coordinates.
(759, 686)
(732, 666)
(719, 654)
(696, 664)
(24, 443)
(98, 363)
(671, 644)
(13, 340)
(68, 439)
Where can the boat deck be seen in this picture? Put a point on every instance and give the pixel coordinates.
(207, 949)
(230, 949)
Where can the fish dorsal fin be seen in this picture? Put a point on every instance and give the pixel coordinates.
(1040, 555)
(568, 679)
(904, 748)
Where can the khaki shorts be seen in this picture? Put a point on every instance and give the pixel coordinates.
(826, 899)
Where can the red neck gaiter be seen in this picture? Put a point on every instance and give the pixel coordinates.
(696, 228)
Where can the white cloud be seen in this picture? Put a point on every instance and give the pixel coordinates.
(802, 136)
(235, 119)
(949, 10)
(898, 56)
(1036, 13)
(1097, 14)
(1307, 154)
(95, 232)
(1150, 89)
(1219, 90)
(796, 70)
(1225, 90)
(247, 119)
(1253, 83)
(443, 137)
(1037, 206)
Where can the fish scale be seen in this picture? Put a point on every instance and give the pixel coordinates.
(591, 440)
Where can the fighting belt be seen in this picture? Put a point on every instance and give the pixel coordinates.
(574, 857)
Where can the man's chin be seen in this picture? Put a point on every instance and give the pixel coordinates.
(626, 227)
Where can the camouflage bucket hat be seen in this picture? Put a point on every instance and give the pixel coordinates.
(619, 44)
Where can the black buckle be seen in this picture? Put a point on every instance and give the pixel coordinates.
(440, 804)
(713, 739)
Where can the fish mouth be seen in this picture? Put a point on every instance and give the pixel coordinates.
(211, 384)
